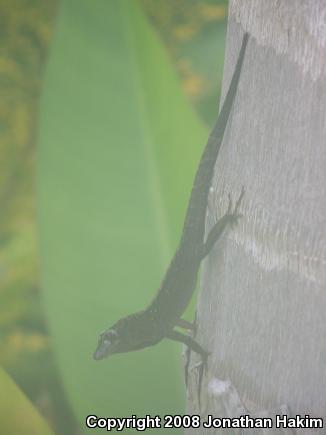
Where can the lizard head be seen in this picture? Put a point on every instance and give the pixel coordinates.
(108, 344)
(130, 333)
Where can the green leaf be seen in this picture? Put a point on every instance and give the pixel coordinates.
(195, 33)
(118, 151)
(17, 414)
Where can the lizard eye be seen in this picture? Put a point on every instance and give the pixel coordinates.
(113, 334)
(109, 336)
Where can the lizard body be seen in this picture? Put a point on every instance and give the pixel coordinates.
(156, 322)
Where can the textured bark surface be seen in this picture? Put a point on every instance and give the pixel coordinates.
(262, 304)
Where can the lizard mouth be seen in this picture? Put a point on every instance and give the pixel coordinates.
(102, 352)
(107, 344)
(97, 355)
(104, 349)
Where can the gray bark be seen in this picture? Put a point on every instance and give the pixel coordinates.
(261, 309)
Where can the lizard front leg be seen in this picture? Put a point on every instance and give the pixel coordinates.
(186, 325)
(196, 347)
(230, 218)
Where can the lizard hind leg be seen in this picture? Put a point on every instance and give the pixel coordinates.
(230, 218)
(192, 345)
(190, 326)
(202, 368)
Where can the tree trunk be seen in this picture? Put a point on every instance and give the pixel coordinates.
(261, 311)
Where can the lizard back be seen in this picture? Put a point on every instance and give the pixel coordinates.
(180, 279)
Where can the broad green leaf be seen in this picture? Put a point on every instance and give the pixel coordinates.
(17, 414)
(118, 151)
(195, 33)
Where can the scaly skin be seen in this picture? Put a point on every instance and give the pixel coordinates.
(148, 327)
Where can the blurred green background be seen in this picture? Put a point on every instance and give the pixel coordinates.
(105, 107)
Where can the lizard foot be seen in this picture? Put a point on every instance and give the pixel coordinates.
(186, 367)
(234, 216)
(188, 350)
(202, 368)
(192, 345)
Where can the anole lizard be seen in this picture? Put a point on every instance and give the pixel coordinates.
(156, 322)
